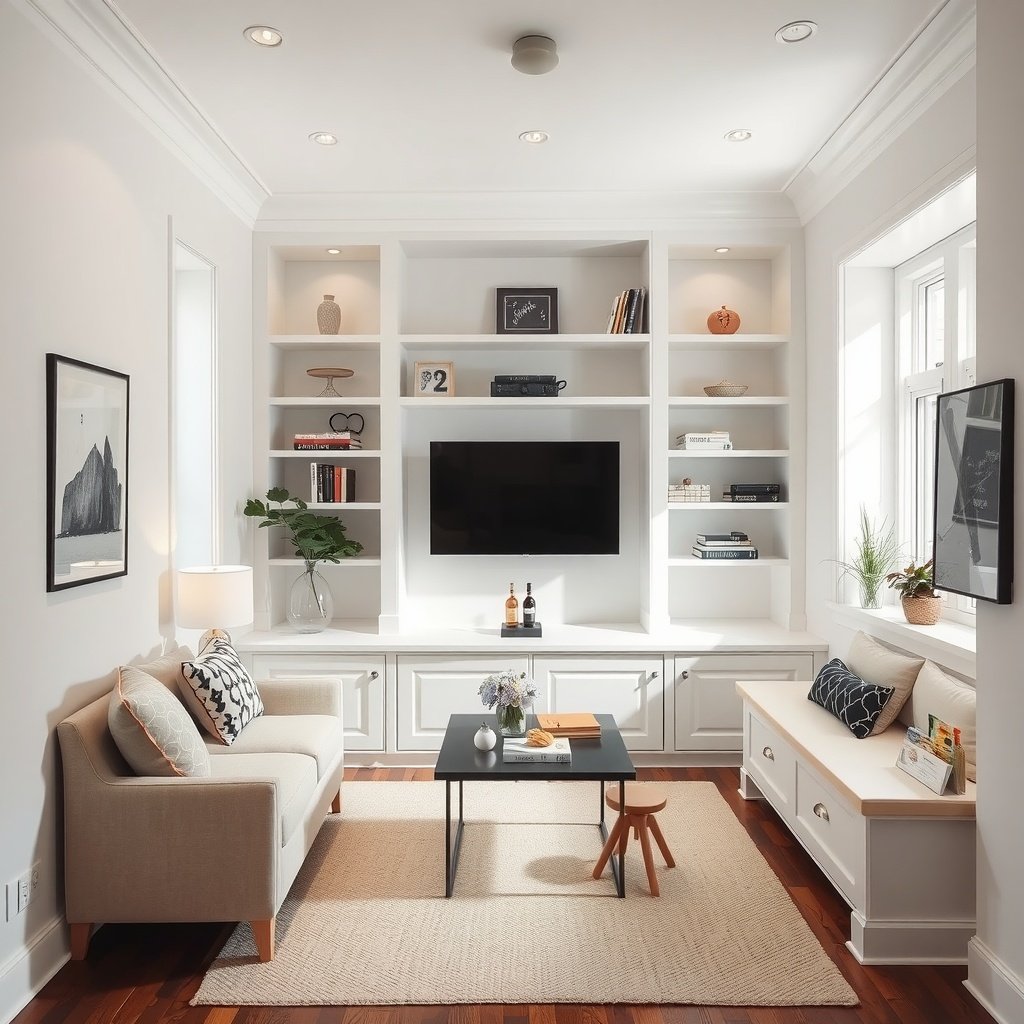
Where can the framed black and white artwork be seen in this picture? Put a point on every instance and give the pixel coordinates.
(527, 311)
(86, 473)
(434, 380)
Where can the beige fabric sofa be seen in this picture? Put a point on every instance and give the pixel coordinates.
(223, 848)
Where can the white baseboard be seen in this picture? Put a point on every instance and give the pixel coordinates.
(29, 969)
(879, 943)
(993, 984)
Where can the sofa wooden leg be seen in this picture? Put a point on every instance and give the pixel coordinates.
(263, 932)
(336, 804)
(80, 936)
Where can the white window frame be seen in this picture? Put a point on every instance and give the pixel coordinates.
(940, 261)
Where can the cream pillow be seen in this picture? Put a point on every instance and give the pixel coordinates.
(950, 700)
(152, 729)
(876, 663)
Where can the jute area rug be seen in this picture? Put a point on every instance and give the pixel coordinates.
(367, 923)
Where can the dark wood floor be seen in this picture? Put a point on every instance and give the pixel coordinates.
(149, 973)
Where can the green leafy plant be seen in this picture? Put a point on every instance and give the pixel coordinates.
(316, 538)
(876, 554)
(914, 581)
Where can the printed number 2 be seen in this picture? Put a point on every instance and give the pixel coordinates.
(440, 381)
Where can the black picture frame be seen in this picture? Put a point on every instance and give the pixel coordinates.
(526, 310)
(973, 508)
(86, 473)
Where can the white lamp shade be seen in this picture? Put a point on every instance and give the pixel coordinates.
(215, 596)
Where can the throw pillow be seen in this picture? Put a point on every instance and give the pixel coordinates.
(855, 703)
(876, 663)
(219, 692)
(152, 730)
(939, 694)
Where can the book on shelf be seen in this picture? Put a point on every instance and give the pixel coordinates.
(722, 543)
(580, 724)
(327, 435)
(755, 488)
(525, 378)
(712, 446)
(706, 437)
(634, 314)
(517, 750)
(724, 553)
(330, 484)
(733, 537)
(749, 498)
(327, 446)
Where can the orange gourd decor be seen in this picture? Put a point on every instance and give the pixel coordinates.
(724, 321)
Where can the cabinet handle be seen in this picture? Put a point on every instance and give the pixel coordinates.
(374, 674)
(821, 811)
(769, 753)
(684, 674)
(654, 675)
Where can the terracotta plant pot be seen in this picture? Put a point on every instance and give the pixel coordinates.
(922, 611)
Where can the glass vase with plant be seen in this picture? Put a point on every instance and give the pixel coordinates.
(316, 538)
(915, 585)
(510, 693)
(876, 554)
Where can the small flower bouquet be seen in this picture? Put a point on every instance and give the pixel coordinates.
(510, 694)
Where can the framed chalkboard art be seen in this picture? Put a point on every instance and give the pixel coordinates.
(527, 310)
(87, 473)
(973, 547)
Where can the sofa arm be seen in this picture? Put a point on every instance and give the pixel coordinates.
(302, 695)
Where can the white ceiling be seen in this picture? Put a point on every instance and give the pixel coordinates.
(423, 96)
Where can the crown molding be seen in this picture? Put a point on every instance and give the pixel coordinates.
(429, 210)
(941, 54)
(103, 41)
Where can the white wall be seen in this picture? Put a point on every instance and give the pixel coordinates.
(85, 196)
(996, 970)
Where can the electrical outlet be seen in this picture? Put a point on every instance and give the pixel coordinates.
(24, 891)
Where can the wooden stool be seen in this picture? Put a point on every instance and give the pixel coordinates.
(643, 801)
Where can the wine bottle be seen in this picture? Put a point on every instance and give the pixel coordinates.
(529, 608)
(512, 608)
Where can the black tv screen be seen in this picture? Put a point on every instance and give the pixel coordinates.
(524, 497)
(973, 547)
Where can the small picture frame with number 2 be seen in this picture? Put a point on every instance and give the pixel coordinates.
(434, 380)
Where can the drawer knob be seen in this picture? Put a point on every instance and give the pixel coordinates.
(654, 675)
(769, 753)
(684, 674)
(821, 811)
(374, 674)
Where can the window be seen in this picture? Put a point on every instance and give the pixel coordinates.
(934, 353)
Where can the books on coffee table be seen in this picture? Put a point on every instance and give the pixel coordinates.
(517, 750)
(580, 724)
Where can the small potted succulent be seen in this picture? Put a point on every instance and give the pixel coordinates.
(921, 605)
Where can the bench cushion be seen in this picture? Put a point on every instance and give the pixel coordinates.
(876, 663)
(951, 701)
(317, 736)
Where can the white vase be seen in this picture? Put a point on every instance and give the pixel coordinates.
(328, 316)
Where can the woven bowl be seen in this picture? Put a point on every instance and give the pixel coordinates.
(725, 389)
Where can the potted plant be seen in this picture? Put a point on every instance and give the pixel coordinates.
(876, 555)
(316, 538)
(921, 605)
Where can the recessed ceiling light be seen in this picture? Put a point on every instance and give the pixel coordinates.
(323, 138)
(796, 31)
(738, 135)
(264, 35)
(535, 137)
(333, 252)
(722, 249)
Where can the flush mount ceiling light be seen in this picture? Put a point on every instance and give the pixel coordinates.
(534, 55)
(722, 249)
(738, 135)
(323, 138)
(264, 35)
(534, 137)
(796, 31)
(333, 252)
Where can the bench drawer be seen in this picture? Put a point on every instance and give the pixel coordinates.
(770, 761)
(834, 833)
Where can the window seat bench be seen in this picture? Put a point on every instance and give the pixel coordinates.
(902, 857)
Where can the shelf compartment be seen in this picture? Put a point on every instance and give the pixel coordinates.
(524, 342)
(726, 342)
(482, 402)
(732, 453)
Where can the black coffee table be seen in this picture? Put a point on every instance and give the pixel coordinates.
(593, 760)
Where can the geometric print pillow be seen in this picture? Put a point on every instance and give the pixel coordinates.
(219, 692)
(846, 696)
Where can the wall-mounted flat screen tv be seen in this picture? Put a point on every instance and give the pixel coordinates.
(524, 497)
(974, 492)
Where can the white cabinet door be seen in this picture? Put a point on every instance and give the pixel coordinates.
(629, 687)
(433, 687)
(362, 689)
(709, 712)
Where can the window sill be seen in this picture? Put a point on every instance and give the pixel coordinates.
(950, 644)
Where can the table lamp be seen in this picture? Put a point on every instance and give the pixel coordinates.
(214, 597)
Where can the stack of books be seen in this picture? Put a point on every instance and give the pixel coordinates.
(516, 750)
(709, 441)
(752, 492)
(580, 725)
(331, 484)
(332, 440)
(689, 492)
(733, 545)
(629, 311)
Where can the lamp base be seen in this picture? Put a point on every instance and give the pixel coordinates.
(212, 634)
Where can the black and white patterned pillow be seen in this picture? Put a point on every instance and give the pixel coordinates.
(855, 703)
(219, 692)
